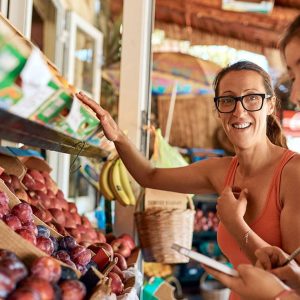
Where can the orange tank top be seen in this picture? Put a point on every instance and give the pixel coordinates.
(266, 226)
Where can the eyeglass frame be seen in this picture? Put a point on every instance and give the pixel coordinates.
(241, 98)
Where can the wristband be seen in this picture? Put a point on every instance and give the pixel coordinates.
(284, 293)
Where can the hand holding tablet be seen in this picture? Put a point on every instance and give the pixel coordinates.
(205, 260)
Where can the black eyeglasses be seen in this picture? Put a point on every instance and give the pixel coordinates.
(250, 102)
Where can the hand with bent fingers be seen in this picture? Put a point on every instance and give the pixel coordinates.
(110, 128)
(252, 283)
(229, 205)
(271, 258)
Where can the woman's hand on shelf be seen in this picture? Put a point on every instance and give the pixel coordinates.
(110, 128)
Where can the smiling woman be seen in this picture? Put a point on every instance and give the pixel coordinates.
(255, 88)
(263, 175)
(267, 286)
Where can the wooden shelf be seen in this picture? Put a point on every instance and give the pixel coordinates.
(20, 130)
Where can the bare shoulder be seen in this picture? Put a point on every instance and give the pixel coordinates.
(292, 169)
(290, 178)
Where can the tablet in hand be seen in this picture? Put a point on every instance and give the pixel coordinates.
(205, 260)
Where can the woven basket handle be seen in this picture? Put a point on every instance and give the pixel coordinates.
(190, 202)
(140, 201)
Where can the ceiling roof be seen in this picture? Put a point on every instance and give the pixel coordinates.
(207, 17)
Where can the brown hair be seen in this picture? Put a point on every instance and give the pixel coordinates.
(274, 130)
(292, 31)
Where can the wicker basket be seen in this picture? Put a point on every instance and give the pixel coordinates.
(158, 229)
(194, 122)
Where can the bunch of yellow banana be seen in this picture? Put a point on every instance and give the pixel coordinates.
(104, 182)
(114, 182)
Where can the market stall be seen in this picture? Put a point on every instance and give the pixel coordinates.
(42, 232)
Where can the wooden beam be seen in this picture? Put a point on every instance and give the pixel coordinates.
(207, 17)
(277, 20)
(288, 3)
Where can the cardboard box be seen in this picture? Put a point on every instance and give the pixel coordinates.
(165, 199)
(14, 52)
(36, 163)
(158, 289)
(12, 165)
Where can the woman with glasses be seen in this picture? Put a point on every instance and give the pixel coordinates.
(257, 206)
(263, 210)
(255, 283)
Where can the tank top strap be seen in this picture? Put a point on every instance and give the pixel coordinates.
(231, 172)
(288, 154)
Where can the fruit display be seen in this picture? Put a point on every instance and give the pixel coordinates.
(20, 220)
(205, 221)
(115, 183)
(49, 205)
(78, 245)
(44, 280)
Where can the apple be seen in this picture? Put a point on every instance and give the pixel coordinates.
(40, 285)
(36, 175)
(60, 194)
(75, 234)
(72, 207)
(122, 263)
(117, 285)
(27, 235)
(121, 246)
(12, 221)
(15, 181)
(72, 290)
(3, 198)
(47, 268)
(63, 204)
(76, 217)
(70, 222)
(58, 215)
(80, 255)
(50, 194)
(118, 271)
(6, 178)
(23, 211)
(128, 238)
